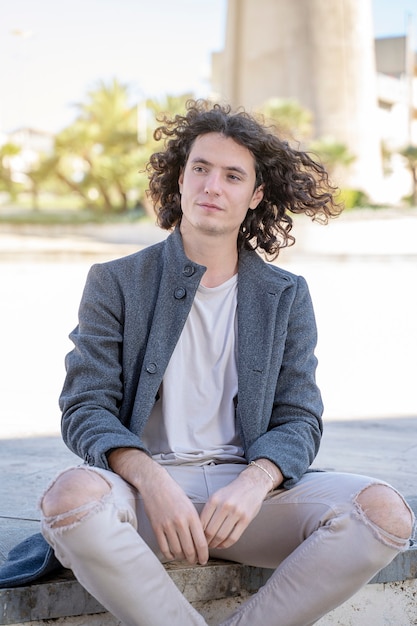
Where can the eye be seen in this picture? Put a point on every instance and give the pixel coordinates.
(234, 177)
(198, 169)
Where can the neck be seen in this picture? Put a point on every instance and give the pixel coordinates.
(218, 254)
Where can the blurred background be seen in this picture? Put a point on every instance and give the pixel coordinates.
(82, 84)
(83, 81)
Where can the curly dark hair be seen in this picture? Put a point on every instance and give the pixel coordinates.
(293, 182)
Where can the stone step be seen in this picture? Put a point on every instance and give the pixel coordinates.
(215, 590)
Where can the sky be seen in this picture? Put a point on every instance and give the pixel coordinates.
(52, 52)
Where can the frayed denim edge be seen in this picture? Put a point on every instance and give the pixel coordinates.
(392, 541)
(90, 508)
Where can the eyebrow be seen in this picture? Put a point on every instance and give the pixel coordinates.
(230, 168)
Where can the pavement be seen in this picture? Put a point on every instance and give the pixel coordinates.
(367, 352)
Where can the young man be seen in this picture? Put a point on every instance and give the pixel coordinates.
(191, 396)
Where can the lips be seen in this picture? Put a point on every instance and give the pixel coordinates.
(210, 206)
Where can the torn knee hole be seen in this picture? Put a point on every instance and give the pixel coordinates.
(383, 507)
(74, 495)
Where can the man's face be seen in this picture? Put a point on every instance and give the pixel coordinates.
(217, 186)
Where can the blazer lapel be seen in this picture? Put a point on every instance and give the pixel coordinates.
(259, 293)
(179, 282)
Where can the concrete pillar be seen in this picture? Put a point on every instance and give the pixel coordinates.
(319, 52)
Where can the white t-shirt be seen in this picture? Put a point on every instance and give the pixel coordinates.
(194, 419)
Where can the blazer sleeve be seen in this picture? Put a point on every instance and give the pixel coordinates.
(295, 427)
(93, 390)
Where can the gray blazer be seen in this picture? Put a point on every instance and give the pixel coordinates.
(131, 315)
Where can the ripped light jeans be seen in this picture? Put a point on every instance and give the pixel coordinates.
(316, 536)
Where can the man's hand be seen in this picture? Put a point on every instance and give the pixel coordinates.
(173, 517)
(230, 510)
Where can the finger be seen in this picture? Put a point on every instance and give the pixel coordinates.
(207, 514)
(164, 546)
(231, 538)
(217, 521)
(175, 543)
(200, 544)
(221, 533)
(194, 543)
(192, 539)
(188, 542)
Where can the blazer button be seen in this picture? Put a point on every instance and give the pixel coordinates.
(188, 270)
(179, 293)
(151, 368)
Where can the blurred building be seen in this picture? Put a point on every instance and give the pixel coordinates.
(322, 53)
(397, 90)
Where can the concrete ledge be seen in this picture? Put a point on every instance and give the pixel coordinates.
(214, 589)
(63, 596)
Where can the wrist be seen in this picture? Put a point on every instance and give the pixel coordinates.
(133, 465)
(270, 472)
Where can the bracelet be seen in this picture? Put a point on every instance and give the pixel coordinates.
(264, 470)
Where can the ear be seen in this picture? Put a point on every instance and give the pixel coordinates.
(258, 194)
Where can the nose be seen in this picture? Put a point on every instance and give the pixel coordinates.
(212, 184)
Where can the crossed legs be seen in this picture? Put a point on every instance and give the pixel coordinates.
(326, 538)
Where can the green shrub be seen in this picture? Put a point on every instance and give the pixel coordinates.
(353, 198)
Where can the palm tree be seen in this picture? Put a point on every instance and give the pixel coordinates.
(410, 155)
(98, 156)
(7, 152)
(39, 175)
(293, 121)
(334, 154)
